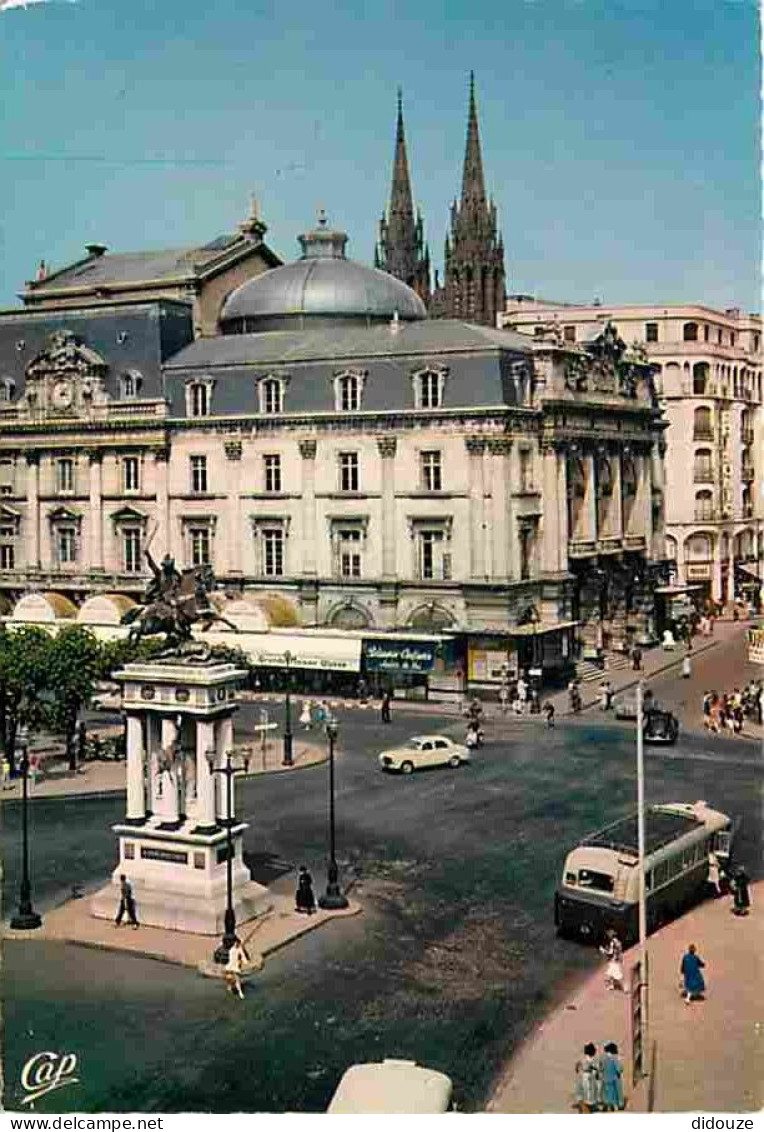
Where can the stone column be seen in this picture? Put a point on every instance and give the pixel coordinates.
(475, 446)
(96, 511)
(387, 447)
(308, 449)
(616, 507)
(730, 595)
(205, 779)
(33, 510)
(233, 540)
(225, 744)
(563, 534)
(550, 535)
(590, 498)
(500, 450)
(162, 487)
(170, 800)
(716, 584)
(136, 798)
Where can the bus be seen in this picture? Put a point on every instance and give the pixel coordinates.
(600, 881)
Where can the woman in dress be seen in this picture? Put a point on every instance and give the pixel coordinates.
(611, 1071)
(306, 715)
(613, 949)
(691, 971)
(237, 957)
(587, 1077)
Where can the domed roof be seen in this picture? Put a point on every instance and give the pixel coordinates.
(320, 286)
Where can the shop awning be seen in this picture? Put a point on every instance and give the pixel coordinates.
(754, 570)
(540, 630)
(676, 591)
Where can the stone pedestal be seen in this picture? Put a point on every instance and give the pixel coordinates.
(173, 843)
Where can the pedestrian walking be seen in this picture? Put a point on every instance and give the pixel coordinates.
(5, 773)
(237, 957)
(691, 970)
(306, 715)
(587, 1077)
(613, 949)
(741, 897)
(611, 1079)
(522, 693)
(304, 900)
(504, 698)
(126, 903)
(385, 710)
(549, 713)
(636, 658)
(686, 667)
(34, 769)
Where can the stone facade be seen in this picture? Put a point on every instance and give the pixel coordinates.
(709, 380)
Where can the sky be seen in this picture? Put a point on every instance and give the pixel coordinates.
(620, 137)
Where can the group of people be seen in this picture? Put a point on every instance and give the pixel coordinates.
(599, 1079)
(312, 712)
(727, 712)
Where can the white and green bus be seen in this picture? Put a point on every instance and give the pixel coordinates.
(599, 888)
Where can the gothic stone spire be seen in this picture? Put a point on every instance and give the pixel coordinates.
(400, 250)
(473, 183)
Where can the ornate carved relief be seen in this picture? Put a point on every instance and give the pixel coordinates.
(308, 448)
(233, 450)
(65, 379)
(387, 446)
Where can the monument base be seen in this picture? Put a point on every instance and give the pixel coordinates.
(179, 877)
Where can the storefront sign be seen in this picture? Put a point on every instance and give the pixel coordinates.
(398, 656)
(698, 573)
(488, 664)
(315, 652)
(756, 646)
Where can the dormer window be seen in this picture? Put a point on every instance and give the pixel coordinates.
(199, 397)
(429, 385)
(271, 392)
(130, 385)
(7, 389)
(348, 390)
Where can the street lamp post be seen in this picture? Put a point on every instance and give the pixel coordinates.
(287, 760)
(26, 919)
(229, 920)
(333, 897)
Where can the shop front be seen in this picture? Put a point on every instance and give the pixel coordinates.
(401, 665)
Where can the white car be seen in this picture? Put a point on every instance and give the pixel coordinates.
(422, 751)
(392, 1086)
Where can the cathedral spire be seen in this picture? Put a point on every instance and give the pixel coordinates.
(400, 250)
(473, 183)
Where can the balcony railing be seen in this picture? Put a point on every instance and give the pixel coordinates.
(581, 548)
(705, 514)
(702, 432)
(703, 475)
(634, 542)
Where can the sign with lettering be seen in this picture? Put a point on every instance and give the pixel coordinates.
(756, 646)
(173, 856)
(398, 656)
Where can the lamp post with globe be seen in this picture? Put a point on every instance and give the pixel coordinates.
(333, 897)
(228, 770)
(26, 919)
(287, 760)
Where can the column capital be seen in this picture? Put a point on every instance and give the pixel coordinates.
(387, 446)
(475, 445)
(94, 455)
(308, 449)
(499, 445)
(162, 455)
(32, 458)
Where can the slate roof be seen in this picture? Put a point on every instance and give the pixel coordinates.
(330, 343)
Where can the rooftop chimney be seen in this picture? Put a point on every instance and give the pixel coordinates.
(96, 250)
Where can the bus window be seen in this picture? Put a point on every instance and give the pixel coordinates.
(661, 873)
(587, 878)
(570, 878)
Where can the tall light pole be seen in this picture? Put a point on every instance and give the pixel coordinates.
(287, 760)
(26, 919)
(643, 957)
(229, 919)
(333, 897)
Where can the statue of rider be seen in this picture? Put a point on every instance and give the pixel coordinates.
(165, 584)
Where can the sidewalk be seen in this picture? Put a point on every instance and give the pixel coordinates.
(109, 777)
(72, 923)
(708, 1056)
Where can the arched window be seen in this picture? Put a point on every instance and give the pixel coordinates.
(704, 506)
(198, 397)
(272, 395)
(429, 385)
(700, 379)
(671, 548)
(690, 332)
(703, 471)
(576, 478)
(702, 428)
(698, 548)
(348, 389)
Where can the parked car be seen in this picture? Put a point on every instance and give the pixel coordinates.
(392, 1086)
(423, 751)
(660, 727)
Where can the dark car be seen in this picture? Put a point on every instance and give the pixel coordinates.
(660, 727)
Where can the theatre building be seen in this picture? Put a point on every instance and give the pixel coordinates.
(331, 448)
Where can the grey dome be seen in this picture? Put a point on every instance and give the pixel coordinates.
(322, 286)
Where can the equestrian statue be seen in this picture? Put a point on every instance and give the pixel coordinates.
(173, 603)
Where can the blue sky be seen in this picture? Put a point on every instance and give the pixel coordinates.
(620, 137)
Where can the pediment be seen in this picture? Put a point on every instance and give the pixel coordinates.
(64, 514)
(9, 514)
(128, 514)
(65, 354)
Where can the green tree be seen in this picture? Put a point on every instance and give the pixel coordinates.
(24, 681)
(74, 667)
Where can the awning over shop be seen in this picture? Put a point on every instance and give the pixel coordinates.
(753, 569)
(676, 591)
(317, 652)
(540, 630)
(40, 608)
(380, 655)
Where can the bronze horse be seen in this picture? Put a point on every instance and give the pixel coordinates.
(175, 603)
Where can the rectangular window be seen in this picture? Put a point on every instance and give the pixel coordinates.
(131, 474)
(7, 556)
(6, 477)
(272, 466)
(271, 396)
(349, 471)
(66, 545)
(432, 479)
(434, 560)
(200, 400)
(200, 545)
(569, 333)
(350, 553)
(429, 390)
(65, 475)
(273, 553)
(706, 333)
(198, 474)
(651, 332)
(131, 550)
